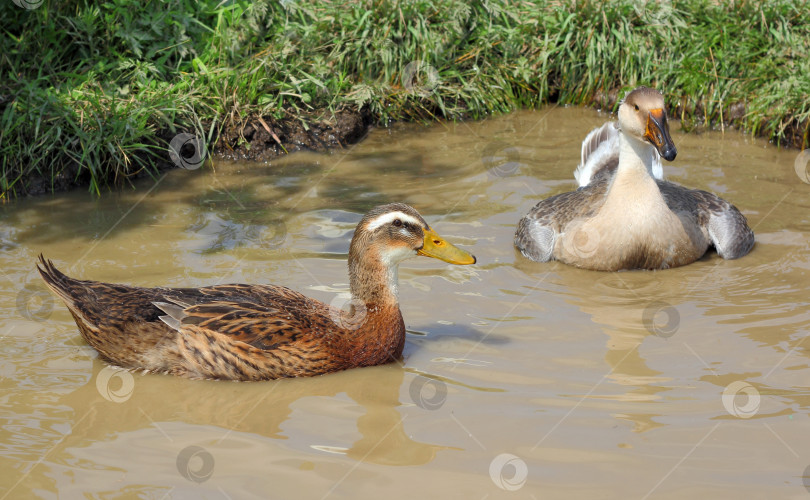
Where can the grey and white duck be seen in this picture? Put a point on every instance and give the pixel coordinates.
(624, 215)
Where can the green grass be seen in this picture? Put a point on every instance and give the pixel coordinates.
(96, 90)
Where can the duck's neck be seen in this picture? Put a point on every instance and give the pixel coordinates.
(373, 282)
(378, 332)
(633, 188)
(635, 157)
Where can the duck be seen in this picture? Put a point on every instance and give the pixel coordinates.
(259, 332)
(624, 215)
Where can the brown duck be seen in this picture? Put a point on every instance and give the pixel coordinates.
(624, 215)
(259, 332)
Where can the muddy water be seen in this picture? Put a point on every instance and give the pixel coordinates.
(519, 380)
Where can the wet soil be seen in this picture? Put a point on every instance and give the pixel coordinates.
(262, 139)
(256, 139)
(265, 138)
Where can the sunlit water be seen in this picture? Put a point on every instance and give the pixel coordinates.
(519, 380)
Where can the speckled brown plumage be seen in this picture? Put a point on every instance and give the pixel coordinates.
(244, 332)
(254, 332)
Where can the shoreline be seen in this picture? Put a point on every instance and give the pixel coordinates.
(265, 139)
(96, 93)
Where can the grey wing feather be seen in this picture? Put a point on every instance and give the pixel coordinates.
(174, 314)
(726, 227)
(538, 230)
(535, 240)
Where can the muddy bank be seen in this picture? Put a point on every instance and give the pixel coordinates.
(263, 139)
(256, 139)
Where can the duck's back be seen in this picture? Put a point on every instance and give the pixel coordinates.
(538, 231)
(135, 327)
(720, 222)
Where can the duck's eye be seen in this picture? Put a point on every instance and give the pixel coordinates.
(397, 223)
(636, 106)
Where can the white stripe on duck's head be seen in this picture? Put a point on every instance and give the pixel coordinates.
(397, 232)
(642, 117)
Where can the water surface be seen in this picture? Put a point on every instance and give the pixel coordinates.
(519, 380)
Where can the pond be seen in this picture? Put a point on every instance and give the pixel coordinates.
(518, 380)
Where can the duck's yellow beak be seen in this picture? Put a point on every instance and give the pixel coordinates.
(657, 133)
(435, 246)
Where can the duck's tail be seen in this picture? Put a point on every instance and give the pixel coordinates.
(96, 306)
(67, 288)
(78, 298)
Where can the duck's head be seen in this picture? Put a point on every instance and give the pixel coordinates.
(386, 236)
(642, 117)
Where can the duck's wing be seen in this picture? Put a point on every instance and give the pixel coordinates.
(127, 324)
(722, 223)
(599, 157)
(537, 231)
(266, 317)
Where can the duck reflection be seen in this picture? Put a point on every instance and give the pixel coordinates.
(120, 402)
(637, 307)
(616, 302)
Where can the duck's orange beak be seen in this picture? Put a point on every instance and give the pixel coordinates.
(435, 246)
(657, 133)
